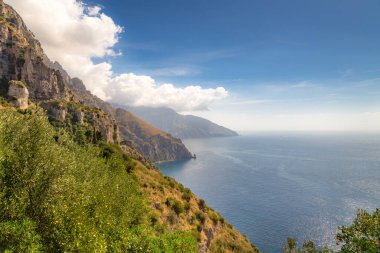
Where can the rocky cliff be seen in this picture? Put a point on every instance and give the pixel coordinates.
(151, 141)
(66, 99)
(21, 59)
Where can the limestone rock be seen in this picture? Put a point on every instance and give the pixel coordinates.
(79, 117)
(55, 109)
(22, 59)
(18, 94)
(107, 127)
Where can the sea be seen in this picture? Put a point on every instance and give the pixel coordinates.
(271, 186)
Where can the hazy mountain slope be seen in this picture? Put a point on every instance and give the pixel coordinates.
(151, 141)
(23, 59)
(181, 126)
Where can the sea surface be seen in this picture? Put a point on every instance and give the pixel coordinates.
(272, 186)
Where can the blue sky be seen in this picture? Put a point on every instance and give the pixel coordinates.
(274, 57)
(249, 41)
(286, 65)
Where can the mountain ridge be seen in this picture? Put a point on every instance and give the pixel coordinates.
(180, 126)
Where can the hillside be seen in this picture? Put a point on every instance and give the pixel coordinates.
(181, 126)
(71, 178)
(23, 59)
(94, 197)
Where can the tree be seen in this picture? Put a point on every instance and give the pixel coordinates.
(363, 235)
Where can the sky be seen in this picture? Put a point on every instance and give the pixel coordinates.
(251, 65)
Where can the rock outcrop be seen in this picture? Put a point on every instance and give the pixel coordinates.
(18, 94)
(21, 59)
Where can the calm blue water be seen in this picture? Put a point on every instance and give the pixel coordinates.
(271, 186)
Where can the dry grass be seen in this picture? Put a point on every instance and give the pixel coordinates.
(177, 208)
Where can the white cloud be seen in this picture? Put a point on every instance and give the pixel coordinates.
(75, 34)
(143, 90)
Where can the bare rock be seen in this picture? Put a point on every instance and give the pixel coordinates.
(79, 117)
(18, 94)
(55, 109)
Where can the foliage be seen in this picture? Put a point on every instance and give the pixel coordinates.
(178, 207)
(363, 235)
(187, 194)
(19, 236)
(200, 216)
(307, 247)
(178, 242)
(58, 196)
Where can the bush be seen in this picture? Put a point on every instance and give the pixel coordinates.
(187, 206)
(202, 204)
(201, 217)
(363, 235)
(214, 217)
(187, 195)
(178, 207)
(19, 236)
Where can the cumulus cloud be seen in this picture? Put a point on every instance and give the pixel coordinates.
(75, 34)
(144, 91)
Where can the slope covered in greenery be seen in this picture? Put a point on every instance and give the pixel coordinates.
(60, 196)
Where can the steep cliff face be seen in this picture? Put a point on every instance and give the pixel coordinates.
(21, 59)
(152, 142)
(18, 94)
(46, 82)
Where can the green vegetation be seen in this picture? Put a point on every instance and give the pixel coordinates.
(58, 196)
(4, 103)
(308, 247)
(363, 235)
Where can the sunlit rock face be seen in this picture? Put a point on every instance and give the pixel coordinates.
(18, 94)
(22, 59)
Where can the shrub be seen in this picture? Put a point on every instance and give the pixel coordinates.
(178, 207)
(187, 206)
(19, 236)
(187, 196)
(214, 217)
(154, 218)
(363, 235)
(202, 204)
(201, 217)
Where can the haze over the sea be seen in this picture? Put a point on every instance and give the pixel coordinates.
(272, 186)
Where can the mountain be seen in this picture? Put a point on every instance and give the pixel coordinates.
(66, 99)
(72, 178)
(181, 126)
